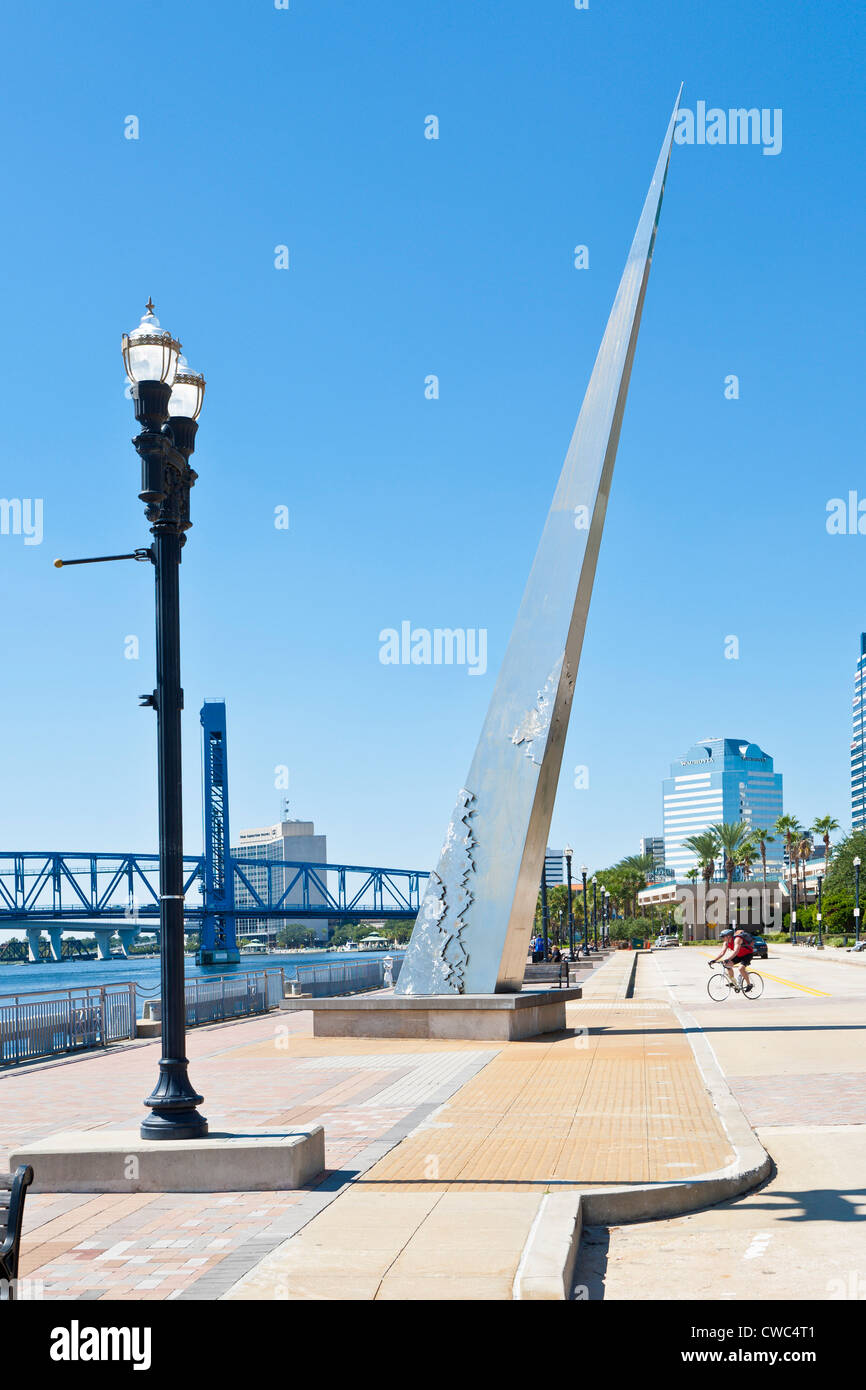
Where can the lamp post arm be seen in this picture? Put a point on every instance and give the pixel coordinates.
(103, 559)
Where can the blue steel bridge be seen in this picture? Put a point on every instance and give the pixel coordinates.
(108, 893)
(49, 892)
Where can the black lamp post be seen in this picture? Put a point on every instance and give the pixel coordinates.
(820, 912)
(569, 853)
(583, 873)
(168, 398)
(793, 914)
(857, 899)
(595, 910)
(545, 915)
(606, 915)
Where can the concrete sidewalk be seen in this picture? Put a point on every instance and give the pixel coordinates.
(457, 1210)
(455, 1170)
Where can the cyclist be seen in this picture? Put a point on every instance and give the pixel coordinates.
(742, 948)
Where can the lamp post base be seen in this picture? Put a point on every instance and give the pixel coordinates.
(179, 1124)
(173, 1104)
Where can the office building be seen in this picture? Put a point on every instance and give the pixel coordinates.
(554, 866)
(294, 840)
(858, 744)
(720, 779)
(654, 845)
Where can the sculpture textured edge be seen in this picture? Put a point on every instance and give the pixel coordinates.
(472, 931)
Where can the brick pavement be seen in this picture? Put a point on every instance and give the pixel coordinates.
(446, 1213)
(268, 1072)
(438, 1152)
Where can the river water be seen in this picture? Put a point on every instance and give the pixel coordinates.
(48, 976)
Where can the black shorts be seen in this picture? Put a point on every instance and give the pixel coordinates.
(742, 960)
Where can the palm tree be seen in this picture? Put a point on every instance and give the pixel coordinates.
(823, 826)
(746, 856)
(804, 854)
(731, 836)
(704, 846)
(762, 838)
(790, 828)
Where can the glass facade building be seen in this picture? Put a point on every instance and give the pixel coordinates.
(720, 779)
(858, 745)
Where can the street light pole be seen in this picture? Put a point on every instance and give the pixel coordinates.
(793, 914)
(569, 852)
(595, 910)
(820, 912)
(583, 873)
(544, 911)
(857, 899)
(167, 405)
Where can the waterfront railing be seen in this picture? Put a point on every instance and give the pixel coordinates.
(351, 977)
(209, 999)
(69, 1020)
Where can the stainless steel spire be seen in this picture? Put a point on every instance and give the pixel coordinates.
(473, 928)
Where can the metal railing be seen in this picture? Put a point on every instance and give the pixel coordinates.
(353, 977)
(70, 1020)
(233, 996)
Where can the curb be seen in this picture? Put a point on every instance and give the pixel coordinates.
(549, 1256)
(831, 955)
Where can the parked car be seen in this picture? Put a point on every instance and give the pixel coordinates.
(665, 940)
(760, 947)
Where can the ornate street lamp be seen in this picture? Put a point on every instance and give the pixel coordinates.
(168, 398)
(595, 910)
(545, 915)
(583, 873)
(569, 854)
(857, 899)
(820, 913)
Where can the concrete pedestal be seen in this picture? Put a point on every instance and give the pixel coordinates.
(115, 1160)
(501, 1017)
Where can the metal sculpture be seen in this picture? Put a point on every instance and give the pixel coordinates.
(472, 931)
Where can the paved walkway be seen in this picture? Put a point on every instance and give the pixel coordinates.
(438, 1153)
(796, 1063)
(446, 1214)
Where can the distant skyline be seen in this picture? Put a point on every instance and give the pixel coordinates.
(397, 322)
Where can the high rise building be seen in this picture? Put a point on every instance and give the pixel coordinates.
(858, 744)
(654, 845)
(554, 866)
(287, 840)
(720, 779)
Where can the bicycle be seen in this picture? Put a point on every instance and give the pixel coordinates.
(720, 986)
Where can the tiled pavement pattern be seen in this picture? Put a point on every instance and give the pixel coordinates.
(446, 1214)
(265, 1072)
(832, 1098)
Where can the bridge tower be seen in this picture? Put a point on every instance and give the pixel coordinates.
(218, 944)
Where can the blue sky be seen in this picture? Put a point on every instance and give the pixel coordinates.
(409, 257)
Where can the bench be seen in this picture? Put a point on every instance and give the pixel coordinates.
(547, 972)
(13, 1190)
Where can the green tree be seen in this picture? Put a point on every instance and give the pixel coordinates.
(789, 828)
(762, 838)
(704, 847)
(824, 826)
(730, 837)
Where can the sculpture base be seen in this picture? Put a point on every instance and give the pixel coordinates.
(464, 1017)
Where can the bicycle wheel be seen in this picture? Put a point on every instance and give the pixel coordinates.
(757, 986)
(718, 987)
